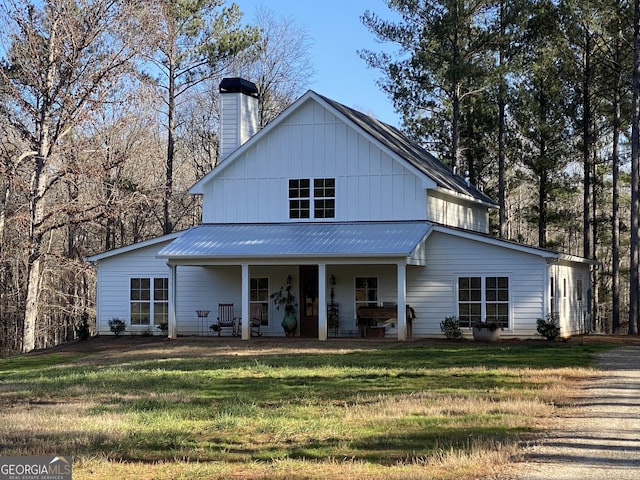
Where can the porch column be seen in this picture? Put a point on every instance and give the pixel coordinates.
(173, 327)
(402, 300)
(246, 326)
(322, 300)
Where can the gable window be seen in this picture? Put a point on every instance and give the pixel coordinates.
(324, 198)
(483, 298)
(316, 202)
(147, 302)
(299, 198)
(259, 294)
(366, 292)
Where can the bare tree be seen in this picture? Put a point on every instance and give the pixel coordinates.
(281, 65)
(62, 57)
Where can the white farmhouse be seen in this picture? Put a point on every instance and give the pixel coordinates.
(375, 235)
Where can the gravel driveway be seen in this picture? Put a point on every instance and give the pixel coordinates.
(600, 437)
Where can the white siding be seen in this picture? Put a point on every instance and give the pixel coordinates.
(431, 290)
(570, 305)
(462, 215)
(114, 285)
(238, 120)
(313, 143)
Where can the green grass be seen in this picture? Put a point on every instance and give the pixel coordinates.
(365, 411)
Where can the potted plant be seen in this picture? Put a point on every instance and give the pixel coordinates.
(487, 330)
(285, 299)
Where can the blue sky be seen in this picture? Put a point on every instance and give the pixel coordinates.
(337, 34)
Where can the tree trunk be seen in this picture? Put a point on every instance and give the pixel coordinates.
(615, 192)
(502, 214)
(586, 146)
(38, 188)
(171, 127)
(634, 264)
(34, 277)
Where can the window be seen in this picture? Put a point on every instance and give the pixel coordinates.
(299, 198)
(324, 198)
(147, 303)
(483, 298)
(579, 290)
(259, 294)
(497, 300)
(469, 300)
(160, 301)
(366, 292)
(303, 200)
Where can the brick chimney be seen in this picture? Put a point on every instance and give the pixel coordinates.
(238, 114)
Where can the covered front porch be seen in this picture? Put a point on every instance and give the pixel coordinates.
(335, 269)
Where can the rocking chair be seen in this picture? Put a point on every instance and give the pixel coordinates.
(226, 319)
(256, 318)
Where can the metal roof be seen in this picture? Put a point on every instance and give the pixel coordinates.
(366, 239)
(410, 151)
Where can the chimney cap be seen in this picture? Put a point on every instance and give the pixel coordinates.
(238, 85)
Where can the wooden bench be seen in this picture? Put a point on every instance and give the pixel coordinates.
(368, 318)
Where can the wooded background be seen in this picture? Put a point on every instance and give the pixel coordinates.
(109, 113)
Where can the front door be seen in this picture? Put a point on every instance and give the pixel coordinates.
(309, 301)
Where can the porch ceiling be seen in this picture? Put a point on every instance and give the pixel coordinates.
(359, 239)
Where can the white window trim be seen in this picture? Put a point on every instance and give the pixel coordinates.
(152, 301)
(483, 295)
(356, 303)
(268, 324)
(312, 199)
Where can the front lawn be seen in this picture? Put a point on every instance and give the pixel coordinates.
(221, 408)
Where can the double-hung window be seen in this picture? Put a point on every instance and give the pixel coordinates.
(312, 198)
(299, 198)
(366, 292)
(324, 198)
(149, 300)
(259, 294)
(483, 299)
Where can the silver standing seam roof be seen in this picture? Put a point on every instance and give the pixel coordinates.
(366, 239)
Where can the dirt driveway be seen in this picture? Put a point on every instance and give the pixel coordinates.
(600, 437)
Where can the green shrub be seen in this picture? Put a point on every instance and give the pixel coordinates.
(450, 326)
(549, 328)
(117, 326)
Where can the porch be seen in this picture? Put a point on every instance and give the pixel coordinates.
(331, 301)
(335, 269)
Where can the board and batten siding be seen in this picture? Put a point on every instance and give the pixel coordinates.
(432, 290)
(314, 143)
